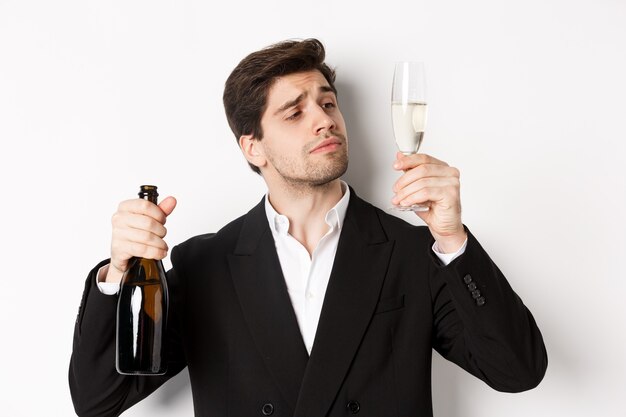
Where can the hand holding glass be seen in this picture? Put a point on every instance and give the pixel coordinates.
(408, 112)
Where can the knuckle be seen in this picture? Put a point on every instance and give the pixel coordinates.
(137, 249)
(146, 223)
(157, 253)
(154, 223)
(422, 170)
(142, 203)
(422, 182)
(141, 206)
(126, 205)
(453, 192)
(145, 251)
(115, 247)
(146, 236)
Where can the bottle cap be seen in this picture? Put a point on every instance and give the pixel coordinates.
(148, 190)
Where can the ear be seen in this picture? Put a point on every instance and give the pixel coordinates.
(252, 150)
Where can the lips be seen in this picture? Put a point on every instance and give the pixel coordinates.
(330, 143)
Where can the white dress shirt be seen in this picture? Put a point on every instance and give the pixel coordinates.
(306, 276)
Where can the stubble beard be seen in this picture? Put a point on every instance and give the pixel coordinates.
(309, 173)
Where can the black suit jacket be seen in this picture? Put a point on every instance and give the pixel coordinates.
(389, 301)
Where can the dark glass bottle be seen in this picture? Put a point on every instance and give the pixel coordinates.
(142, 313)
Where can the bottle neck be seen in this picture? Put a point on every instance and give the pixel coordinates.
(149, 192)
(153, 198)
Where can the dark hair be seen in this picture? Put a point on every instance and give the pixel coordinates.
(246, 89)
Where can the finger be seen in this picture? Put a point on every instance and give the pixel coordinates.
(422, 196)
(122, 266)
(140, 236)
(404, 162)
(133, 249)
(435, 189)
(167, 205)
(123, 248)
(141, 206)
(425, 171)
(125, 220)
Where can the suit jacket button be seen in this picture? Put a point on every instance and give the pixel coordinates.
(268, 409)
(472, 286)
(354, 407)
(475, 294)
(480, 301)
(467, 279)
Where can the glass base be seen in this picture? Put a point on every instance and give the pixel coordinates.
(414, 207)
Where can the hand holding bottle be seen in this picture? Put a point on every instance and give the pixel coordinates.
(138, 231)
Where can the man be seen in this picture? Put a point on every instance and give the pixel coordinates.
(315, 303)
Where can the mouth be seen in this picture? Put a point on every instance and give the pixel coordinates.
(327, 145)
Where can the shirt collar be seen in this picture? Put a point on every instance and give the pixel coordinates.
(279, 223)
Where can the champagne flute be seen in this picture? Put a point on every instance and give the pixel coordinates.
(408, 112)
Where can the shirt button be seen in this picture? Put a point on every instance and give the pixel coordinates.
(310, 296)
(354, 407)
(267, 409)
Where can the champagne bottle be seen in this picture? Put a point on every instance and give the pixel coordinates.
(142, 313)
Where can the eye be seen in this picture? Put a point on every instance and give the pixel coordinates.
(294, 115)
(329, 105)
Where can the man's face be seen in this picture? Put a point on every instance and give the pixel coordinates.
(304, 134)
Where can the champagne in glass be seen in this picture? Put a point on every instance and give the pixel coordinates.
(408, 112)
(409, 121)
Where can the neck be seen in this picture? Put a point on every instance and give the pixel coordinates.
(306, 209)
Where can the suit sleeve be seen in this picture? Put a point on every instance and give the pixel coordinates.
(482, 325)
(97, 389)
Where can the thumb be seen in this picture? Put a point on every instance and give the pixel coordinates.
(167, 205)
(398, 162)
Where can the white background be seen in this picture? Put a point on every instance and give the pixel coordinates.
(526, 98)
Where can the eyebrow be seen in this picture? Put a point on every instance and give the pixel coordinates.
(297, 100)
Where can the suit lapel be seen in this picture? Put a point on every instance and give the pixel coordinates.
(262, 292)
(355, 283)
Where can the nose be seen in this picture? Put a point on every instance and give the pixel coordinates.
(322, 121)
